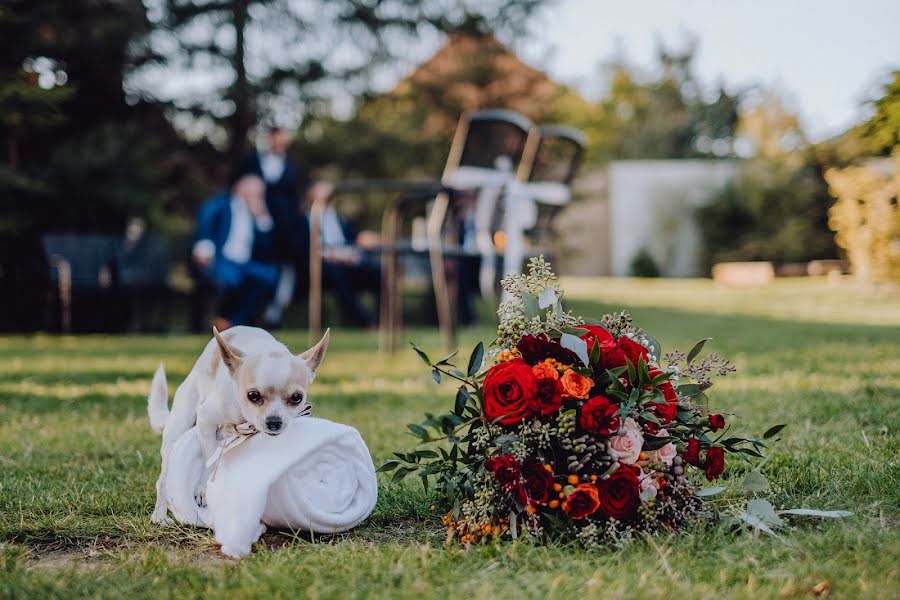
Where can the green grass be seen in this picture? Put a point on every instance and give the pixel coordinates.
(78, 462)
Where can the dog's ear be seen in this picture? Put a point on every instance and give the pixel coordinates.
(316, 354)
(231, 356)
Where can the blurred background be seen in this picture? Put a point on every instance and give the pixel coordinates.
(739, 141)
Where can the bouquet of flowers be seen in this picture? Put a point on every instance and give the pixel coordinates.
(578, 430)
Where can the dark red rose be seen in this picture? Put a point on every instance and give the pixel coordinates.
(535, 349)
(536, 484)
(651, 427)
(547, 397)
(506, 469)
(667, 410)
(582, 502)
(598, 335)
(715, 462)
(509, 388)
(691, 454)
(717, 422)
(598, 415)
(620, 495)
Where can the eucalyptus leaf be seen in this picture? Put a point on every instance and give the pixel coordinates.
(765, 511)
(755, 482)
(809, 512)
(421, 354)
(547, 298)
(576, 345)
(757, 523)
(709, 491)
(436, 375)
(531, 306)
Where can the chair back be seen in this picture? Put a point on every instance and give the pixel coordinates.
(484, 136)
(87, 256)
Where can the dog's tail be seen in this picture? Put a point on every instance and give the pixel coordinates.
(158, 400)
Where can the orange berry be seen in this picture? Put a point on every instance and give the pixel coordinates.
(643, 456)
(548, 468)
(557, 487)
(531, 509)
(554, 504)
(573, 479)
(562, 494)
(565, 506)
(593, 478)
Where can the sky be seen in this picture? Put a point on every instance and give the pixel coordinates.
(826, 57)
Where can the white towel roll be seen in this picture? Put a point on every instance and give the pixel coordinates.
(316, 476)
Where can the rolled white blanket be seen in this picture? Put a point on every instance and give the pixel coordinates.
(316, 476)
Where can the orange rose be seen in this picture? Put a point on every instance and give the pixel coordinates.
(575, 385)
(544, 370)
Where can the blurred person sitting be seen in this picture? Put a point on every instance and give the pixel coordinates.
(349, 264)
(233, 250)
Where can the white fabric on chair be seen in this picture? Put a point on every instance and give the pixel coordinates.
(316, 476)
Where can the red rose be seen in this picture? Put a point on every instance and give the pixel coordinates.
(506, 469)
(620, 495)
(582, 502)
(715, 462)
(599, 416)
(633, 351)
(547, 397)
(536, 483)
(667, 410)
(509, 388)
(717, 422)
(691, 454)
(597, 334)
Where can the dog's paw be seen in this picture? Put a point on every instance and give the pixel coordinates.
(200, 495)
(160, 518)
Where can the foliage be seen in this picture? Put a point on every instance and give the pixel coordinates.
(884, 126)
(771, 211)
(643, 264)
(866, 217)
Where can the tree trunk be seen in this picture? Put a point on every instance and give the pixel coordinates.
(242, 117)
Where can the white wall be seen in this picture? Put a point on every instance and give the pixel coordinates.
(652, 205)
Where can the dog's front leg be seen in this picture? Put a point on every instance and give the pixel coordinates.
(206, 432)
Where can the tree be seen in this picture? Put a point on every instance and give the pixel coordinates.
(278, 60)
(884, 126)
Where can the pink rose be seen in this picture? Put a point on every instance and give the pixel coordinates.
(627, 445)
(649, 486)
(666, 453)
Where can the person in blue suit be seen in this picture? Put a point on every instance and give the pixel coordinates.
(233, 250)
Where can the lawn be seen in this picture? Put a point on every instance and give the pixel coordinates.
(78, 462)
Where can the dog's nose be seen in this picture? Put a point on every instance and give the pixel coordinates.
(273, 423)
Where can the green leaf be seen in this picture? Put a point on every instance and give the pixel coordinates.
(388, 466)
(765, 511)
(709, 491)
(417, 430)
(689, 390)
(655, 347)
(757, 523)
(696, 349)
(436, 375)
(755, 482)
(824, 514)
(530, 305)
(427, 454)
(446, 359)
(512, 525)
(773, 431)
(462, 398)
(576, 345)
(475, 359)
(576, 331)
(421, 354)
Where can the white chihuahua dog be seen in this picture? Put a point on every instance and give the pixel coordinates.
(244, 375)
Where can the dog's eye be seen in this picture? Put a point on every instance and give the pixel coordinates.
(254, 396)
(296, 398)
